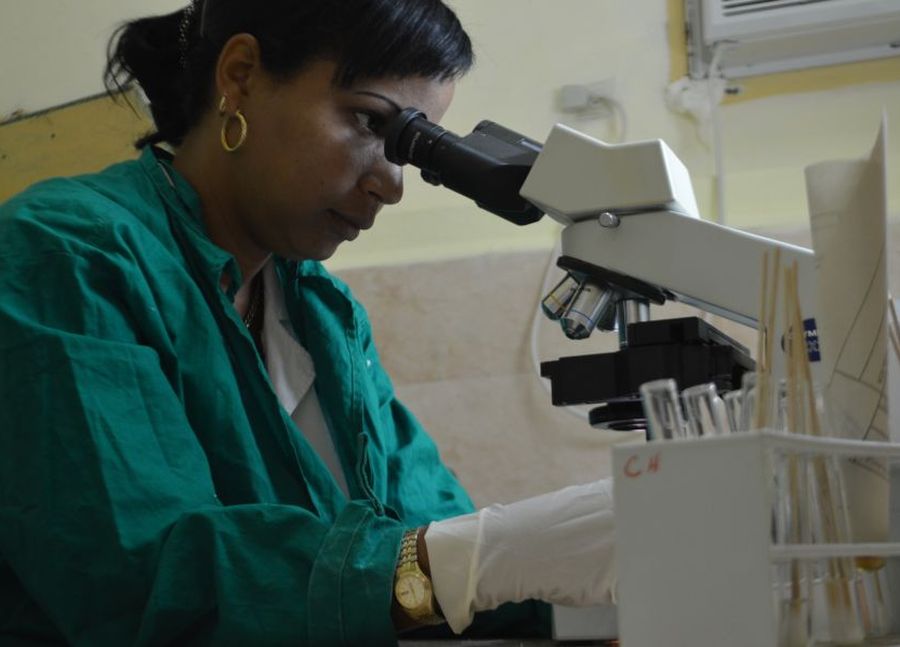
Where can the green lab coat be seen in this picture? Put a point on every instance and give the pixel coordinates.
(152, 489)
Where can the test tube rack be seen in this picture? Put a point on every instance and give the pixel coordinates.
(694, 545)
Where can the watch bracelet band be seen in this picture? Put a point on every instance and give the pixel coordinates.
(409, 560)
(409, 548)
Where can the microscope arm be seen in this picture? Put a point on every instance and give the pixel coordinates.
(714, 268)
(605, 195)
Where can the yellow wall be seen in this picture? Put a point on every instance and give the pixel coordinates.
(80, 138)
(526, 50)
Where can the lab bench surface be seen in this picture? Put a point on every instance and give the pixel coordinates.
(506, 643)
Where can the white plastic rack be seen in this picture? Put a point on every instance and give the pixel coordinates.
(697, 563)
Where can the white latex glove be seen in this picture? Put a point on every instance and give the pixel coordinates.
(556, 547)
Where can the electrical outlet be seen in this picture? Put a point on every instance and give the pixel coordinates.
(604, 90)
(587, 97)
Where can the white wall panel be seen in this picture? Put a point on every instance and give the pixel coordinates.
(53, 52)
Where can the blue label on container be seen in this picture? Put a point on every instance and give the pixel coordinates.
(812, 340)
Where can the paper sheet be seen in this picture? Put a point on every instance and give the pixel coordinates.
(848, 215)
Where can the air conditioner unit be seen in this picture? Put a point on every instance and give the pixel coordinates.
(765, 36)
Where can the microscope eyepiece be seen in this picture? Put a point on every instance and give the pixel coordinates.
(489, 165)
(395, 130)
(411, 139)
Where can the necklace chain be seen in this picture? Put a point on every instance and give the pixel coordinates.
(255, 299)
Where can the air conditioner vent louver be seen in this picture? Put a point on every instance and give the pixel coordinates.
(743, 7)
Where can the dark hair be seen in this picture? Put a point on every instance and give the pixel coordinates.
(173, 57)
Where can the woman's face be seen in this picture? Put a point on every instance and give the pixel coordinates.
(312, 173)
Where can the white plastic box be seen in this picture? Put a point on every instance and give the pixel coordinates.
(694, 537)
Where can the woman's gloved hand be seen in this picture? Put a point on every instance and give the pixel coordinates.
(556, 547)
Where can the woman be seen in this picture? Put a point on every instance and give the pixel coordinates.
(197, 441)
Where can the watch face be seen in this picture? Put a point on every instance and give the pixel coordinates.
(410, 591)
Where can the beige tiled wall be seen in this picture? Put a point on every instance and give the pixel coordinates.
(455, 337)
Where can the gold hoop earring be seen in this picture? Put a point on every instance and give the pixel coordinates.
(224, 134)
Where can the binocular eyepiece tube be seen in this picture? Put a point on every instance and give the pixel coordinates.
(489, 165)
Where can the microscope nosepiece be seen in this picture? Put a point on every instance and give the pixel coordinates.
(590, 305)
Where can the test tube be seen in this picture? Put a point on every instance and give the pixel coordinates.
(555, 303)
(734, 404)
(838, 617)
(662, 410)
(748, 400)
(585, 309)
(865, 572)
(791, 515)
(874, 593)
(704, 411)
(794, 612)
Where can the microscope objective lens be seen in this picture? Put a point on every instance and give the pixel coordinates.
(587, 308)
(555, 303)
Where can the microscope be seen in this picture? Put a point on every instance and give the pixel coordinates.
(632, 238)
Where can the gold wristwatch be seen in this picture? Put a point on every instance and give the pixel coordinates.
(412, 587)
